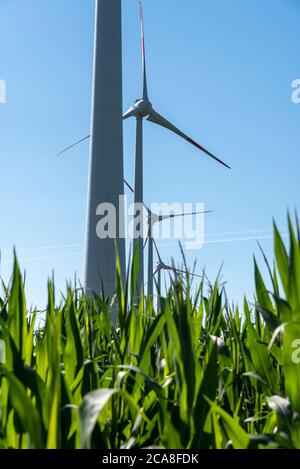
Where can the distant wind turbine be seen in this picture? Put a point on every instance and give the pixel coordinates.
(142, 108)
(152, 220)
(162, 266)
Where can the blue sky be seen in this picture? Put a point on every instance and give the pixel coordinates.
(221, 71)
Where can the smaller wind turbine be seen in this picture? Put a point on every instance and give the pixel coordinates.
(153, 218)
(162, 266)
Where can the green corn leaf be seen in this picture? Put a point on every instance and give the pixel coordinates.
(236, 434)
(17, 312)
(281, 258)
(207, 389)
(293, 294)
(73, 352)
(262, 294)
(93, 404)
(25, 410)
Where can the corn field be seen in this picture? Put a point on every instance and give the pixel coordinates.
(195, 372)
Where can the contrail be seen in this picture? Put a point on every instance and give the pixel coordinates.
(212, 241)
(209, 235)
(229, 240)
(41, 258)
(58, 246)
(248, 238)
(232, 233)
(44, 248)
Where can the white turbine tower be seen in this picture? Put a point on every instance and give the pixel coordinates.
(142, 108)
(106, 147)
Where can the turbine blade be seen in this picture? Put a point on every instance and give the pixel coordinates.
(147, 208)
(148, 236)
(167, 267)
(73, 145)
(145, 88)
(146, 241)
(159, 120)
(132, 111)
(82, 140)
(180, 271)
(132, 190)
(158, 268)
(157, 251)
(166, 217)
(186, 272)
(129, 186)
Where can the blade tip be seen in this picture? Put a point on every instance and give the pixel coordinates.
(225, 164)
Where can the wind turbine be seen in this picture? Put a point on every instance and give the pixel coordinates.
(141, 109)
(153, 218)
(162, 266)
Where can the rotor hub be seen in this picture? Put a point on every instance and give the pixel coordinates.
(144, 107)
